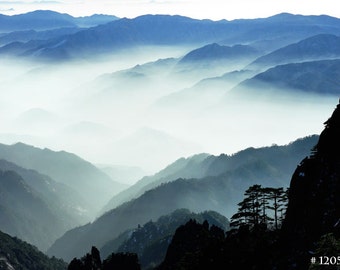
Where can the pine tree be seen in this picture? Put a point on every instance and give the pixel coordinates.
(283, 201)
(274, 195)
(121, 261)
(118, 261)
(265, 203)
(253, 209)
(253, 194)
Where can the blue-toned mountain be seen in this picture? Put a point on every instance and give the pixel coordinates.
(25, 213)
(218, 185)
(317, 77)
(177, 30)
(36, 20)
(216, 52)
(318, 47)
(46, 19)
(66, 168)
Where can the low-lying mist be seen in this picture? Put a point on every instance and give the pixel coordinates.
(115, 110)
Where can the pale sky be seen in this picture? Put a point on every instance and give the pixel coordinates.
(200, 9)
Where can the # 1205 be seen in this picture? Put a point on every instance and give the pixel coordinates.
(326, 260)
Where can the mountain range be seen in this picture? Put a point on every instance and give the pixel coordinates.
(214, 55)
(147, 113)
(221, 181)
(309, 65)
(200, 166)
(309, 230)
(204, 165)
(68, 169)
(25, 214)
(46, 193)
(23, 36)
(318, 47)
(310, 225)
(315, 77)
(151, 240)
(176, 30)
(17, 254)
(40, 20)
(36, 208)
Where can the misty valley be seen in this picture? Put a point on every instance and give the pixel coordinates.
(165, 142)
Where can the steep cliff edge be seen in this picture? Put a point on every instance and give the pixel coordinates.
(314, 201)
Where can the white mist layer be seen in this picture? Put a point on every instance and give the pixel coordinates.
(148, 116)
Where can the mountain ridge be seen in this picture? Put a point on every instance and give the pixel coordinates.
(66, 168)
(24, 213)
(124, 33)
(317, 47)
(17, 254)
(313, 77)
(49, 19)
(202, 165)
(221, 189)
(150, 241)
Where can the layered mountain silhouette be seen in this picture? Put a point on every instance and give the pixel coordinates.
(317, 77)
(176, 30)
(310, 65)
(183, 167)
(280, 158)
(310, 228)
(46, 19)
(221, 185)
(17, 254)
(207, 92)
(25, 214)
(36, 20)
(219, 53)
(37, 209)
(151, 240)
(20, 37)
(68, 169)
(317, 47)
(213, 60)
(45, 193)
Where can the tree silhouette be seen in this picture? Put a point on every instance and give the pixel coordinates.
(265, 205)
(95, 256)
(117, 261)
(249, 212)
(279, 199)
(253, 209)
(121, 261)
(75, 264)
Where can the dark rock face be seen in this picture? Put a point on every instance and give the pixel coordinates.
(329, 141)
(314, 201)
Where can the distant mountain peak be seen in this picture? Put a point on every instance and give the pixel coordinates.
(43, 20)
(46, 12)
(215, 51)
(162, 16)
(283, 15)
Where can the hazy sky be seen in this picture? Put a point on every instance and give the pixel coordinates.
(212, 9)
